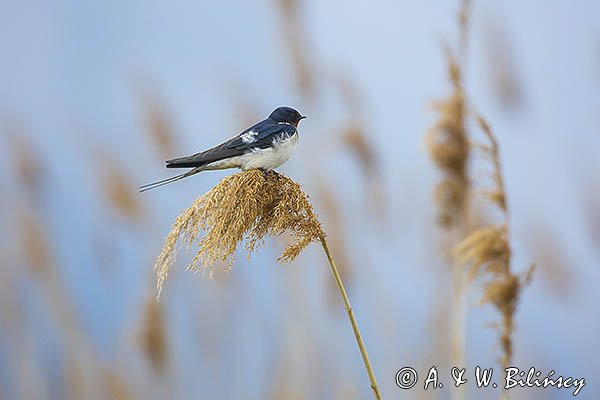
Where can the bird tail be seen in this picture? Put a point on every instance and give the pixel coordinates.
(192, 161)
(176, 178)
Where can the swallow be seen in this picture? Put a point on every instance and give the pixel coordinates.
(265, 145)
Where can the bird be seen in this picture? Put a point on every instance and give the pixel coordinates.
(265, 145)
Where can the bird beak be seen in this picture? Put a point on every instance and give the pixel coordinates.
(302, 116)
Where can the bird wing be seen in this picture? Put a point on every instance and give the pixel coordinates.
(260, 136)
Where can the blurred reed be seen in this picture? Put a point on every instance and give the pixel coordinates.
(152, 335)
(298, 50)
(448, 145)
(116, 386)
(488, 253)
(27, 164)
(354, 137)
(119, 191)
(549, 250)
(485, 251)
(247, 207)
(159, 123)
(334, 221)
(507, 85)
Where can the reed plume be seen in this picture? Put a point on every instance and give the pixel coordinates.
(298, 49)
(487, 251)
(116, 386)
(247, 207)
(448, 145)
(332, 215)
(159, 122)
(118, 192)
(152, 338)
(355, 138)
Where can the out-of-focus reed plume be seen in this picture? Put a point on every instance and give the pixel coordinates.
(464, 19)
(295, 37)
(24, 157)
(550, 252)
(497, 194)
(501, 58)
(354, 137)
(247, 207)
(333, 220)
(448, 147)
(354, 134)
(74, 382)
(33, 242)
(116, 386)
(119, 191)
(488, 253)
(36, 250)
(159, 123)
(292, 356)
(486, 247)
(152, 337)
(590, 198)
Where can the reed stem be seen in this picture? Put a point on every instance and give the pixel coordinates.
(459, 326)
(361, 345)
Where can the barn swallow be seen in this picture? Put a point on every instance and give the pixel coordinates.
(265, 145)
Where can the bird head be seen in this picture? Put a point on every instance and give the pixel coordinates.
(286, 115)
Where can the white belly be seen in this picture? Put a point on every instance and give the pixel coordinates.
(267, 159)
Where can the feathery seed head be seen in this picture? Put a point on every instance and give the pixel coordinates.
(448, 145)
(152, 335)
(447, 140)
(487, 248)
(450, 196)
(243, 207)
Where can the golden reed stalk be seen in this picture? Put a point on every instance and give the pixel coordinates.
(247, 207)
(350, 312)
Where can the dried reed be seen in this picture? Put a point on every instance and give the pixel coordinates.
(152, 335)
(295, 38)
(160, 124)
(501, 58)
(247, 207)
(119, 194)
(116, 386)
(487, 251)
(448, 145)
(354, 137)
(333, 219)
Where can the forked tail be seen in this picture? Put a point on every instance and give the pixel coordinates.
(163, 182)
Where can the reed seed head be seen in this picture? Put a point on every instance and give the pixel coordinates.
(117, 189)
(448, 145)
(488, 252)
(485, 250)
(450, 196)
(153, 335)
(159, 122)
(447, 141)
(243, 207)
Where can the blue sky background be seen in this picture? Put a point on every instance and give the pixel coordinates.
(71, 76)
